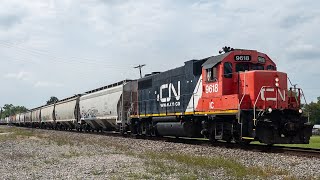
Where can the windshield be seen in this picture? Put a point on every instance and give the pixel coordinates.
(248, 67)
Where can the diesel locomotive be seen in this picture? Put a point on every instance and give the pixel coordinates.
(236, 96)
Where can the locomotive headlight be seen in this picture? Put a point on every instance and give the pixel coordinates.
(277, 84)
(270, 110)
(277, 79)
(300, 111)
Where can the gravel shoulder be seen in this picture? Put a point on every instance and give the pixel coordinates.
(46, 154)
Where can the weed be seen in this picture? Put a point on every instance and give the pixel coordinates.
(188, 177)
(96, 172)
(71, 154)
(51, 161)
(231, 166)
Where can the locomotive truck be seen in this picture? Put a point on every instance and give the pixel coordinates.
(236, 96)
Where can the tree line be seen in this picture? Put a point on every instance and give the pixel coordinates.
(9, 109)
(313, 109)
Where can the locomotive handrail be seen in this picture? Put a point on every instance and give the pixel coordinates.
(244, 93)
(306, 103)
(255, 103)
(302, 93)
(239, 105)
(294, 85)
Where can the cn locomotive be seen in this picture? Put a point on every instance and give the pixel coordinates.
(236, 96)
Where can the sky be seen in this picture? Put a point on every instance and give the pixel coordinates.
(66, 47)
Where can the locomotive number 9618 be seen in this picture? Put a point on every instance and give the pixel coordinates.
(212, 88)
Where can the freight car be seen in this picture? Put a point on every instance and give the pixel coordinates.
(236, 96)
(105, 108)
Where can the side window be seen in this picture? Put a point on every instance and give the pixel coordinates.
(211, 74)
(270, 67)
(227, 70)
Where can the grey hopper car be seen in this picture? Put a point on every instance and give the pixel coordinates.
(66, 113)
(35, 117)
(27, 118)
(21, 119)
(107, 108)
(47, 116)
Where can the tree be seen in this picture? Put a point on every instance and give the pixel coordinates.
(314, 111)
(9, 110)
(52, 100)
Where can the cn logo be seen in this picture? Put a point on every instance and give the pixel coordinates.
(281, 95)
(171, 90)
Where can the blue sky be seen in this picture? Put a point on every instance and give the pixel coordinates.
(64, 47)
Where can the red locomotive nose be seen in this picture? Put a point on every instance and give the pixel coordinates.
(265, 89)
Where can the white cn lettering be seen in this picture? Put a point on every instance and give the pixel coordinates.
(282, 95)
(164, 86)
(171, 90)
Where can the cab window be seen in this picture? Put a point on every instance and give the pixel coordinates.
(270, 67)
(242, 67)
(211, 74)
(257, 67)
(228, 70)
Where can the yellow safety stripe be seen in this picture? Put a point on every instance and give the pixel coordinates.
(248, 138)
(218, 112)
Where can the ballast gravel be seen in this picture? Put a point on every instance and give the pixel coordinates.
(71, 155)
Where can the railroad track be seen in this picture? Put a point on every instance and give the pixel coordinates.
(296, 151)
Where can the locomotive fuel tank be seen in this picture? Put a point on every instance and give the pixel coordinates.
(171, 129)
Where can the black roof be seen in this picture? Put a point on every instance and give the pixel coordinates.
(214, 60)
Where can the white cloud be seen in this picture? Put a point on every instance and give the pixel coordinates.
(47, 84)
(21, 75)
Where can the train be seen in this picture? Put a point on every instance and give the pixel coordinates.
(236, 96)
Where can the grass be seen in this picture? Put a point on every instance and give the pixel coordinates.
(96, 172)
(51, 161)
(134, 175)
(13, 133)
(71, 154)
(61, 141)
(314, 143)
(189, 167)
